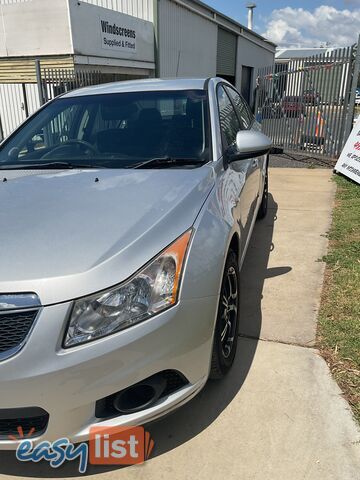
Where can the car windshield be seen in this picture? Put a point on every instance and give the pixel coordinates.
(119, 130)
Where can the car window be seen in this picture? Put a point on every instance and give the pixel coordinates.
(55, 132)
(114, 130)
(242, 109)
(229, 121)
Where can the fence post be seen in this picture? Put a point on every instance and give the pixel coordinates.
(25, 104)
(39, 82)
(256, 95)
(1, 132)
(354, 83)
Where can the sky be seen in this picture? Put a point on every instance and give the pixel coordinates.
(303, 23)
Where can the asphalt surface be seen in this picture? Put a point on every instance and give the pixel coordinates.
(293, 160)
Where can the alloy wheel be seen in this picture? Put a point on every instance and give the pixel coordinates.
(229, 303)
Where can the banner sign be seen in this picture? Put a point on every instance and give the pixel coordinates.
(349, 160)
(102, 33)
(118, 36)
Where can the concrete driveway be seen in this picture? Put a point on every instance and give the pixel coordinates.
(278, 415)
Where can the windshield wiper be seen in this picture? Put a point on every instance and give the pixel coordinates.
(48, 165)
(167, 162)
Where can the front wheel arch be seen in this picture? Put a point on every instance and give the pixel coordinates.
(234, 246)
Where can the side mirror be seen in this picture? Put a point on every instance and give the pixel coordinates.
(249, 144)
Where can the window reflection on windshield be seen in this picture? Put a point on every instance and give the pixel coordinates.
(114, 130)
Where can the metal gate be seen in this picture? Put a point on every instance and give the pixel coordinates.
(307, 104)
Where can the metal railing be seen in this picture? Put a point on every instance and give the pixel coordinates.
(18, 101)
(54, 82)
(307, 104)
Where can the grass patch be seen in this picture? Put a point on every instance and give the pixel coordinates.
(339, 318)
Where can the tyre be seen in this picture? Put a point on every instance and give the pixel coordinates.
(264, 201)
(227, 323)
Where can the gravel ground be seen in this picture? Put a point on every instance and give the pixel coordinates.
(287, 160)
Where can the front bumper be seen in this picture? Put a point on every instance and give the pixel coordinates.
(67, 383)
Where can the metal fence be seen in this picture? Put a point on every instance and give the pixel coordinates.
(307, 104)
(19, 100)
(54, 82)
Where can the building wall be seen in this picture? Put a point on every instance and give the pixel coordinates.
(250, 54)
(22, 70)
(187, 42)
(12, 110)
(36, 27)
(9, 2)
(138, 8)
(11, 100)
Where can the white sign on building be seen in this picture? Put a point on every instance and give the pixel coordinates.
(115, 37)
(99, 32)
(70, 27)
(349, 160)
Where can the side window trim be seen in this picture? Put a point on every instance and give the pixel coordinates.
(251, 116)
(226, 86)
(223, 140)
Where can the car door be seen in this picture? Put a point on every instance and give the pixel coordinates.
(255, 165)
(242, 169)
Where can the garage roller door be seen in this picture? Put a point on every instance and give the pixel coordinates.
(226, 53)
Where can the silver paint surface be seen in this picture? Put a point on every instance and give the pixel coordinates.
(64, 236)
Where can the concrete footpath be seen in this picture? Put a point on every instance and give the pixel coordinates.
(279, 415)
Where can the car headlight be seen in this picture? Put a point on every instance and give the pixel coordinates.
(152, 290)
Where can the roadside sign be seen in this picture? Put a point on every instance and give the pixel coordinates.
(349, 160)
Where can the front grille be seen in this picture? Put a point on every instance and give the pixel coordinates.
(20, 423)
(174, 381)
(14, 328)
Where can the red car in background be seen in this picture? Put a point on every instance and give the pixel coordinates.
(293, 106)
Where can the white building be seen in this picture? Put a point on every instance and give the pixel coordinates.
(285, 55)
(132, 38)
(303, 64)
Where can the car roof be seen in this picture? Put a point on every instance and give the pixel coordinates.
(153, 84)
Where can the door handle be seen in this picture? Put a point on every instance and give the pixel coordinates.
(255, 163)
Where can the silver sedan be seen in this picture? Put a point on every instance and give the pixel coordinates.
(126, 211)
